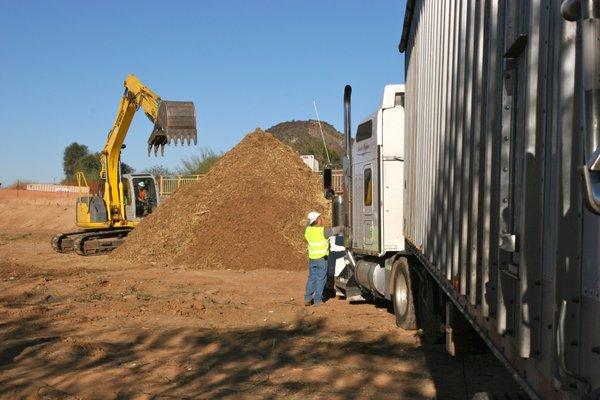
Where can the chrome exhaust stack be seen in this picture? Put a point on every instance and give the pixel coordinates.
(347, 166)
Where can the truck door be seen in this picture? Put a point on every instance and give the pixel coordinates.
(365, 190)
(367, 204)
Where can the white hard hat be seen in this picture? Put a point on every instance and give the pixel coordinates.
(312, 216)
(142, 184)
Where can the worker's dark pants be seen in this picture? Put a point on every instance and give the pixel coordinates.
(317, 275)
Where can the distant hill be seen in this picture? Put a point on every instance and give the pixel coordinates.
(305, 138)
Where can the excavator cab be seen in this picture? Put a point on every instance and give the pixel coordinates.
(175, 124)
(140, 194)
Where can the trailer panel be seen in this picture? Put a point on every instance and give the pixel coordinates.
(494, 138)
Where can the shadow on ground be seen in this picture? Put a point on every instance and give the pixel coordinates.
(303, 360)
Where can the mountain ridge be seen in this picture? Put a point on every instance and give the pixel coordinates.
(305, 137)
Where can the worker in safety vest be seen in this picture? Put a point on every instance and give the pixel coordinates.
(318, 249)
(142, 191)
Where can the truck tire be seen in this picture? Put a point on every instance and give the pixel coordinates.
(403, 295)
(430, 311)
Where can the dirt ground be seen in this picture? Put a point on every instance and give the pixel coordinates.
(25, 211)
(76, 327)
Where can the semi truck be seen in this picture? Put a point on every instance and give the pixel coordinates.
(472, 195)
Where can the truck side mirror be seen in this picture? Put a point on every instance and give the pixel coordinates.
(327, 178)
(328, 183)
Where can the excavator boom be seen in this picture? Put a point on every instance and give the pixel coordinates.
(174, 122)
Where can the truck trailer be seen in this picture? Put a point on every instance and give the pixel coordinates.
(472, 196)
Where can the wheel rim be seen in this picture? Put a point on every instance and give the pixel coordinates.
(401, 295)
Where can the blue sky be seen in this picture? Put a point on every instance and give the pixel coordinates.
(245, 64)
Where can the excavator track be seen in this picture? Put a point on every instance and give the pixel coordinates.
(89, 242)
(63, 242)
(95, 243)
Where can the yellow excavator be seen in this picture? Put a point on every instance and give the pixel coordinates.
(124, 199)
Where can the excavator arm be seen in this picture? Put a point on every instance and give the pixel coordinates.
(174, 122)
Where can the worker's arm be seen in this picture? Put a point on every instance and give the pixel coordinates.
(333, 231)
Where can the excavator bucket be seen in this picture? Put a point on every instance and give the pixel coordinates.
(175, 123)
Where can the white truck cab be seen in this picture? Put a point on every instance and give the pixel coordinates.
(378, 178)
(373, 202)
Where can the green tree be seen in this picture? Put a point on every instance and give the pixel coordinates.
(126, 168)
(201, 163)
(315, 147)
(71, 156)
(159, 170)
(89, 164)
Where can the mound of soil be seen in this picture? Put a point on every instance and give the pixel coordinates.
(248, 212)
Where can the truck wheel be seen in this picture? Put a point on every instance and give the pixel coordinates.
(430, 312)
(403, 295)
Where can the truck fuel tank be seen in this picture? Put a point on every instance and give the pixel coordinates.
(372, 276)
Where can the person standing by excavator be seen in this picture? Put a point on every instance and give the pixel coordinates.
(318, 249)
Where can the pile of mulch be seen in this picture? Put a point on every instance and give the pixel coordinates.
(248, 212)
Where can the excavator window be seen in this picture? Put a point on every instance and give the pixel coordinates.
(368, 185)
(145, 196)
(126, 192)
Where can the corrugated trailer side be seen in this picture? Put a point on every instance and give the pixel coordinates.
(494, 139)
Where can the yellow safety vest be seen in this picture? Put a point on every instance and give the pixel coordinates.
(318, 245)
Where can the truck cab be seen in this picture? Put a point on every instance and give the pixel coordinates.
(373, 203)
(378, 178)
